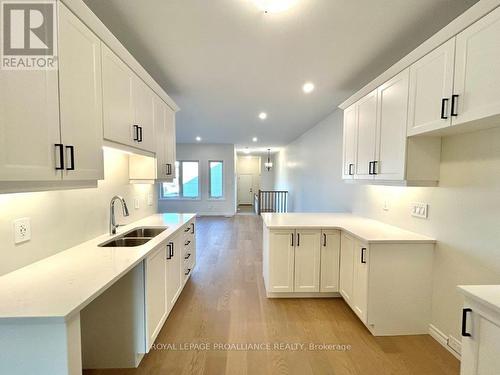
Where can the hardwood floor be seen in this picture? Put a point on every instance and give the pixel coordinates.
(225, 303)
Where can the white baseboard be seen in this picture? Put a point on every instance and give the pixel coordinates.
(225, 214)
(444, 340)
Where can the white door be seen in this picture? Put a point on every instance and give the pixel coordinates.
(80, 98)
(346, 267)
(330, 260)
(281, 260)
(350, 134)
(143, 99)
(360, 282)
(118, 107)
(174, 269)
(307, 260)
(477, 70)
(156, 294)
(367, 130)
(245, 189)
(29, 125)
(480, 350)
(431, 87)
(392, 113)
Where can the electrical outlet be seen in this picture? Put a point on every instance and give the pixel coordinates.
(150, 199)
(22, 230)
(419, 210)
(136, 203)
(386, 205)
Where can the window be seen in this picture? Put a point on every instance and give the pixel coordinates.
(216, 179)
(186, 185)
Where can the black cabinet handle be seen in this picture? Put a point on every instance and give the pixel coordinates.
(187, 256)
(169, 255)
(454, 105)
(139, 134)
(60, 146)
(169, 169)
(187, 243)
(444, 102)
(192, 228)
(363, 259)
(171, 250)
(374, 172)
(72, 157)
(136, 133)
(351, 169)
(370, 168)
(187, 272)
(464, 322)
(298, 239)
(291, 236)
(324, 239)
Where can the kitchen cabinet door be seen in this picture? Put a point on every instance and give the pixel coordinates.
(165, 141)
(347, 244)
(29, 125)
(392, 113)
(366, 135)
(307, 260)
(170, 141)
(118, 106)
(480, 349)
(174, 270)
(80, 97)
(156, 293)
(360, 281)
(143, 98)
(281, 260)
(477, 71)
(431, 87)
(349, 149)
(330, 258)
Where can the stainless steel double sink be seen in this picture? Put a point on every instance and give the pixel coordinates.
(134, 237)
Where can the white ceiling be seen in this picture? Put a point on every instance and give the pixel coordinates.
(224, 61)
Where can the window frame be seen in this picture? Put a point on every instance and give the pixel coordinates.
(210, 197)
(181, 196)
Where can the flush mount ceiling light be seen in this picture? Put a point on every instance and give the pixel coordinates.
(274, 6)
(308, 87)
(246, 151)
(198, 139)
(263, 115)
(254, 139)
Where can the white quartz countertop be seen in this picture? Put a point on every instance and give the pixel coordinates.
(367, 230)
(61, 285)
(488, 295)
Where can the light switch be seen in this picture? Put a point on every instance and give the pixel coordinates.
(150, 199)
(136, 203)
(22, 230)
(419, 210)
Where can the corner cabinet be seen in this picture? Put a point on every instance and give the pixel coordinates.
(375, 128)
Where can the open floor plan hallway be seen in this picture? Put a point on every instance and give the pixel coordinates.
(224, 324)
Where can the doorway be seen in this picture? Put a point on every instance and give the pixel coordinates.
(248, 182)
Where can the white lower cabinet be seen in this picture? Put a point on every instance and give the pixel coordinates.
(307, 260)
(330, 260)
(156, 293)
(480, 338)
(174, 269)
(280, 261)
(346, 267)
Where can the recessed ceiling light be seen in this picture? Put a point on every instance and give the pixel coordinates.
(274, 6)
(308, 87)
(263, 115)
(198, 139)
(254, 139)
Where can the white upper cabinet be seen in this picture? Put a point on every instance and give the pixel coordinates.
(350, 137)
(431, 89)
(389, 162)
(118, 108)
(366, 132)
(170, 142)
(477, 71)
(307, 260)
(164, 121)
(143, 127)
(80, 98)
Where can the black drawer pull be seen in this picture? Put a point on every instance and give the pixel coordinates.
(71, 157)
(291, 236)
(187, 243)
(187, 230)
(139, 134)
(136, 133)
(324, 239)
(60, 146)
(444, 102)
(187, 272)
(351, 167)
(454, 105)
(187, 256)
(363, 258)
(169, 255)
(192, 228)
(464, 322)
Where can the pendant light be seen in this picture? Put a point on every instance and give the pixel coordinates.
(268, 164)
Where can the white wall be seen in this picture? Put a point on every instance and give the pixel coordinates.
(464, 214)
(62, 219)
(205, 206)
